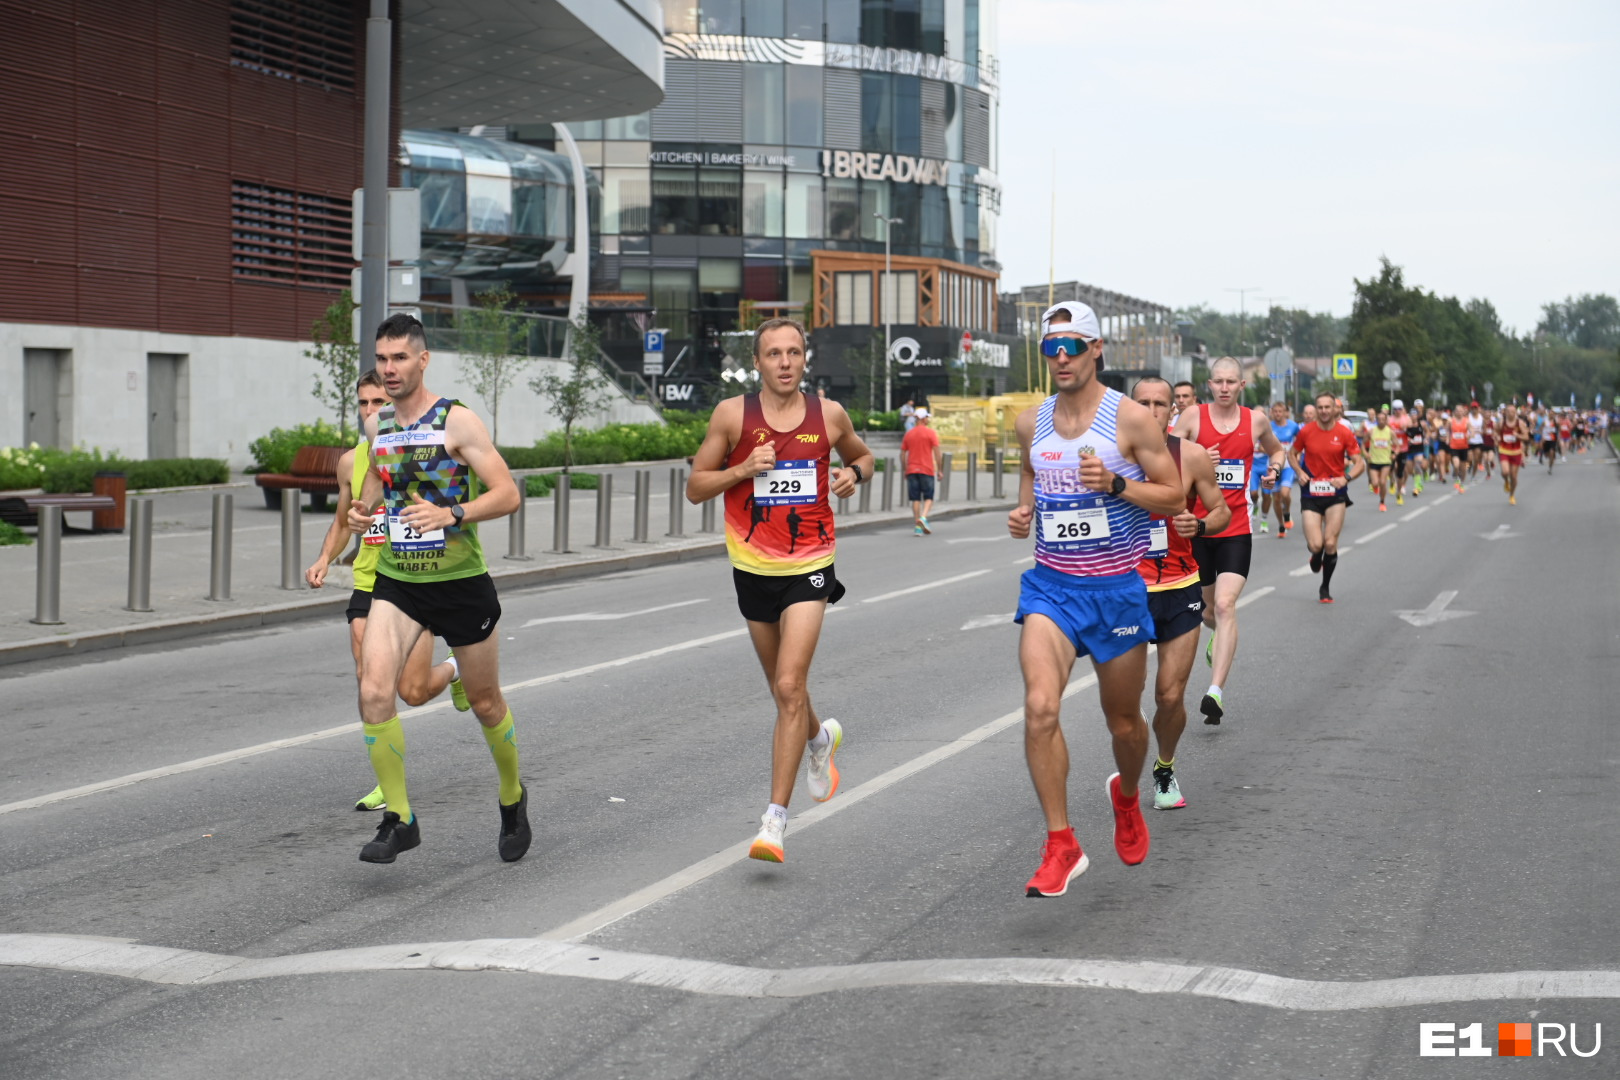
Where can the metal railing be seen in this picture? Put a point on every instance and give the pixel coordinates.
(546, 338)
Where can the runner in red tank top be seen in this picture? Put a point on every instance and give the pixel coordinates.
(1319, 455)
(1229, 434)
(769, 455)
(1510, 440)
(1174, 596)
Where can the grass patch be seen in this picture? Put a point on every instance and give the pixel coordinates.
(11, 536)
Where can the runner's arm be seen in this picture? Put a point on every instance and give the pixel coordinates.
(337, 533)
(852, 450)
(467, 440)
(1141, 441)
(1358, 465)
(710, 477)
(1201, 479)
(1272, 446)
(1020, 517)
(364, 503)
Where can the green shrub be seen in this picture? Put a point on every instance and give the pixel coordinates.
(613, 444)
(542, 485)
(22, 468)
(273, 453)
(175, 472)
(10, 536)
(876, 420)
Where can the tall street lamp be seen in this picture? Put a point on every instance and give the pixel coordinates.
(883, 299)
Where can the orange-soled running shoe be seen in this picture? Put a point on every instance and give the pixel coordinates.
(1130, 830)
(1061, 862)
(768, 844)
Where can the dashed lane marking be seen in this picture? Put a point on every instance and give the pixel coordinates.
(923, 588)
(1410, 514)
(1375, 534)
(185, 967)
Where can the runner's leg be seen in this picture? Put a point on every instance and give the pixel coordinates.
(1119, 687)
(1170, 692)
(390, 637)
(423, 680)
(1046, 656)
(1228, 587)
(786, 649)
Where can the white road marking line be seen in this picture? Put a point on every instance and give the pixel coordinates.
(185, 967)
(977, 539)
(608, 616)
(342, 729)
(1376, 533)
(1409, 515)
(1444, 498)
(989, 620)
(1026, 559)
(923, 588)
(1249, 598)
(604, 916)
(353, 728)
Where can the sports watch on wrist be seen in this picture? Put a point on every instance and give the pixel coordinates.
(1202, 527)
(457, 512)
(1118, 486)
(860, 477)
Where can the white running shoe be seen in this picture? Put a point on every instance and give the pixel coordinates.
(822, 776)
(768, 844)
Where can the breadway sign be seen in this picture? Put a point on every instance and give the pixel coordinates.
(901, 168)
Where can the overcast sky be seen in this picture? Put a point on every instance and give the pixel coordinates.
(1205, 145)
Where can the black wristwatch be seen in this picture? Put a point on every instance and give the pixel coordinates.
(457, 512)
(1118, 486)
(1203, 527)
(860, 477)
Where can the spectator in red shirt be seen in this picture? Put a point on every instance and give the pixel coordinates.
(921, 447)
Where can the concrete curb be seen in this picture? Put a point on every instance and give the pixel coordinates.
(227, 621)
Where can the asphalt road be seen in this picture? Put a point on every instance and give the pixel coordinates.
(1393, 821)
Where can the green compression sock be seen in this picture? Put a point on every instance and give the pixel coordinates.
(502, 739)
(385, 743)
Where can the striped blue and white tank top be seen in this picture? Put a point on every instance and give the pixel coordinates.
(1081, 532)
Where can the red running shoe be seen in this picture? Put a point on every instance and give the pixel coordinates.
(1130, 830)
(1061, 862)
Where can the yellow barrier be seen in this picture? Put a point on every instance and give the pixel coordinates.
(979, 425)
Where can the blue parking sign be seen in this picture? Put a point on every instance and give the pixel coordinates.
(653, 341)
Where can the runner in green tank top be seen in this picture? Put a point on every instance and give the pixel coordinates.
(422, 680)
(429, 455)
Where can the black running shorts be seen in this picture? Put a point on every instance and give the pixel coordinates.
(1218, 555)
(359, 605)
(1318, 504)
(763, 597)
(462, 612)
(1176, 612)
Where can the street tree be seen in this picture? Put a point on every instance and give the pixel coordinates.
(338, 357)
(494, 340)
(580, 393)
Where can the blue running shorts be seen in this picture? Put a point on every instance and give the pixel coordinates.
(1258, 473)
(1104, 617)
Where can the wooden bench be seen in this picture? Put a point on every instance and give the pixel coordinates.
(22, 508)
(314, 470)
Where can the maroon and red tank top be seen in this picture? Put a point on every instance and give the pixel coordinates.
(780, 522)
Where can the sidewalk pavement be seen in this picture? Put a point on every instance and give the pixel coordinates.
(95, 568)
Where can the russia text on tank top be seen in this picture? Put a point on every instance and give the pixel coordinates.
(780, 522)
(1078, 531)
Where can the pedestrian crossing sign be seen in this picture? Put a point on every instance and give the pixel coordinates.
(1344, 365)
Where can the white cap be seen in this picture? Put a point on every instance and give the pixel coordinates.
(922, 414)
(1417, 401)
(1082, 320)
(1398, 405)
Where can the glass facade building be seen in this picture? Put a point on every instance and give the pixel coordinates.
(793, 133)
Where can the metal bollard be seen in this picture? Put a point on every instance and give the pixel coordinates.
(843, 505)
(973, 476)
(604, 510)
(945, 478)
(517, 525)
(292, 576)
(888, 484)
(708, 514)
(564, 495)
(219, 555)
(48, 577)
(677, 502)
(866, 497)
(643, 503)
(140, 555)
(997, 480)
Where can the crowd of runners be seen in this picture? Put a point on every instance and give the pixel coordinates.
(1143, 510)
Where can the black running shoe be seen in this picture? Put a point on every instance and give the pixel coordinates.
(514, 840)
(1316, 562)
(1211, 708)
(392, 838)
(1322, 595)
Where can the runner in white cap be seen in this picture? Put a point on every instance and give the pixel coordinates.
(1095, 469)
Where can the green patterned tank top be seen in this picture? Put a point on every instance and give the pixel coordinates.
(413, 460)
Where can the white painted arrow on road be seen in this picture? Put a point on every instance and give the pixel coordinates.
(1436, 611)
(1501, 533)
